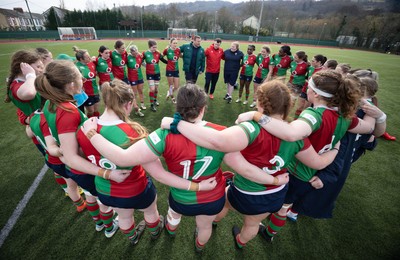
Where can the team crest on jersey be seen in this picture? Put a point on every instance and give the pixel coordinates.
(91, 75)
(153, 61)
(154, 138)
(261, 65)
(122, 62)
(175, 58)
(108, 69)
(137, 66)
(246, 62)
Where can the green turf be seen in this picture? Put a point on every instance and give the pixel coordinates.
(364, 226)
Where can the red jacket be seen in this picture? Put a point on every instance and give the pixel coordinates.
(213, 59)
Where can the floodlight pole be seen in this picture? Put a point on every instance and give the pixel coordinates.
(215, 22)
(141, 19)
(320, 35)
(29, 10)
(259, 20)
(273, 31)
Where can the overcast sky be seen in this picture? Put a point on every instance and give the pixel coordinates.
(39, 6)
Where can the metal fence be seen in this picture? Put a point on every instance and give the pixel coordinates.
(126, 33)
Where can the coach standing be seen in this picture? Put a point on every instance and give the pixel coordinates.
(213, 54)
(233, 62)
(193, 59)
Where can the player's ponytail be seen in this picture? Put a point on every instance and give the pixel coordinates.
(52, 85)
(116, 94)
(274, 97)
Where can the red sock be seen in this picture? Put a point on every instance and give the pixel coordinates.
(275, 224)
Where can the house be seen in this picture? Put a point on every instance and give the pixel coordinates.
(252, 22)
(18, 20)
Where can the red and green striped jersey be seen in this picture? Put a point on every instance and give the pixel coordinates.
(118, 64)
(189, 161)
(40, 129)
(88, 72)
(248, 64)
(172, 58)
(263, 66)
(118, 133)
(328, 127)
(26, 106)
(134, 68)
(269, 153)
(104, 70)
(298, 73)
(282, 64)
(311, 71)
(152, 60)
(64, 121)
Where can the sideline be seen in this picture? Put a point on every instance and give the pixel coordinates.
(5, 231)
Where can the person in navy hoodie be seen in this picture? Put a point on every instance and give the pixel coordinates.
(233, 61)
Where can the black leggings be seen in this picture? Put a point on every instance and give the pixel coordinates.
(211, 78)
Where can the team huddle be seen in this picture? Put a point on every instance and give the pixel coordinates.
(105, 162)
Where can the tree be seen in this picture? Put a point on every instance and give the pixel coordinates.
(51, 20)
(225, 21)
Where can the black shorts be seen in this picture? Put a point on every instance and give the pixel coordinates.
(230, 77)
(297, 189)
(209, 209)
(246, 78)
(303, 95)
(58, 168)
(92, 100)
(170, 73)
(295, 89)
(155, 77)
(85, 181)
(137, 82)
(141, 201)
(191, 76)
(256, 204)
(258, 80)
(41, 149)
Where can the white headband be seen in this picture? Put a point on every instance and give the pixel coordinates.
(312, 85)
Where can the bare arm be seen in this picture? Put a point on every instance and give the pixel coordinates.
(313, 160)
(52, 146)
(156, 170)
(69, 146)
(138, 153)
(379, 115)
(365, 126)
(251, 172)
(211, 138)
(294, 131)
(27, 90)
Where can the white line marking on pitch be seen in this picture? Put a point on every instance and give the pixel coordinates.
(21, 206)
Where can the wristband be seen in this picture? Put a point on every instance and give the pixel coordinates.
(91, 133)
(193, 186)
(101, 172)
(276, 181)
(381, 119)
(107, 174)
(174, 125)
(334, 148)
(30, 75)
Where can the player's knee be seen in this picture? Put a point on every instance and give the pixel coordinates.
(173, 218)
